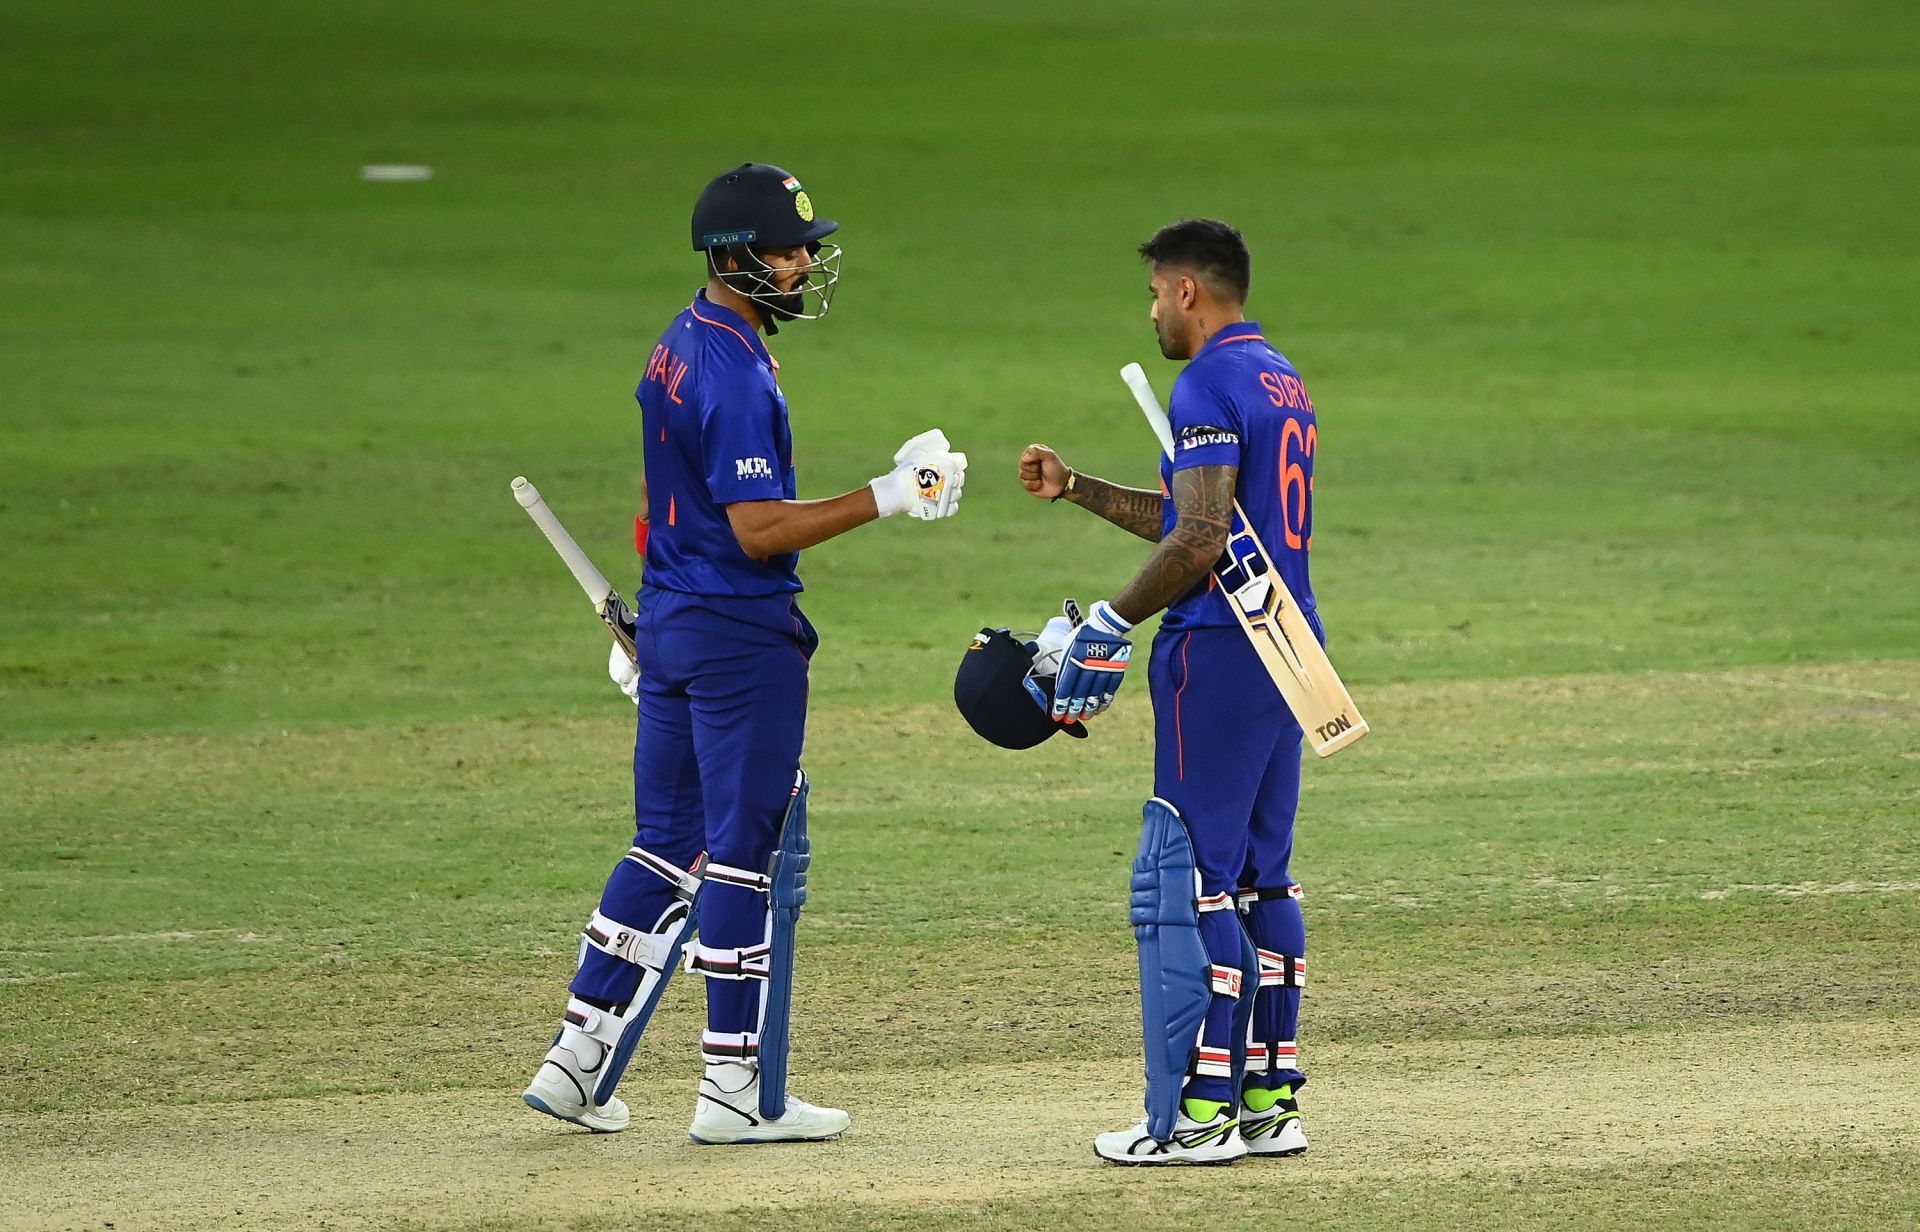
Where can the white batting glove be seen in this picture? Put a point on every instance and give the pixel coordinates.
(625, 673)
(928, 487)
(1051, 645)
(933, 440)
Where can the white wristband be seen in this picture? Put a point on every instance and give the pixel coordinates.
(1105, 619)
(887, 495)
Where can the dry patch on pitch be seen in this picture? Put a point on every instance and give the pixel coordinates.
(943, 1139)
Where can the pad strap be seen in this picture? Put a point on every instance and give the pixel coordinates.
(745, 878)
(627, 943)
(1249, 895)
(1213, 902)
(594, 1022)
(653, 948)
(1225, 981)
(1265, 1058)
(747, 962)
(723, 1047)
(685, 881)
(1282, 970)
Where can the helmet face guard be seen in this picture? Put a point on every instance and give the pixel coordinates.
(811, 297)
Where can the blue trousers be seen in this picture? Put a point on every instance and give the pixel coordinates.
(723, 715)
(1227, 756)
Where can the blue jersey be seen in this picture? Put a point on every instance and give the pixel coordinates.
(1240, 403)
(716, 432)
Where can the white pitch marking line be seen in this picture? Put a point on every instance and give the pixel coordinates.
(396, 173)
(111, 938)
(1810, 887)
(1758, 682)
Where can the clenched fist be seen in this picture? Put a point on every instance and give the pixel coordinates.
(1042, 472)
(925, 481)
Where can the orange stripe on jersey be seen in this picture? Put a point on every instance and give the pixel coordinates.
(1179, 727)
(673, 510)
(736, 333)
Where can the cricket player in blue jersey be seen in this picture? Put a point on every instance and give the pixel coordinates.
(1220, 987)
(719, 796)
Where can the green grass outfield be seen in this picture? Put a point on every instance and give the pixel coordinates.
(308, 771)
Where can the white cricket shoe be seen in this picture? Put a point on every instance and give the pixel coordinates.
(563, 1087)
(1277, 1131)
(1194, 1142)
(728, 1112)
(1266, 1134)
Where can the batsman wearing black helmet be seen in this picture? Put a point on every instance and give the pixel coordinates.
(723, 649)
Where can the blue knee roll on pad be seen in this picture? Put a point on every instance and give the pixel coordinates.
(786, 894)
(1174, 985)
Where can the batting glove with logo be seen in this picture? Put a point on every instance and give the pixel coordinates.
(925, 481)
(1095, 664)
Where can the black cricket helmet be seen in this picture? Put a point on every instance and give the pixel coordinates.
(1001, 696)
(758, 207)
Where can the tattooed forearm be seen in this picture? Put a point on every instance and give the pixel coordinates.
(1203, 504)
(1131, 509)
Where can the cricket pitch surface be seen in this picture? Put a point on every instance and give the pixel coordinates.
(1504, 1111)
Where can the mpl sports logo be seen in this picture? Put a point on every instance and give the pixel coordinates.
(752, 468)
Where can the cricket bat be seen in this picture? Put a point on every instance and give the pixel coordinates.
(1269, 616)
(607, 603)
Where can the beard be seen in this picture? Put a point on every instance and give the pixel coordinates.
(1170, 347)
(785, 306)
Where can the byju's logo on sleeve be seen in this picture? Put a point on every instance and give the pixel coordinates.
(752, 468)
(1207, 434)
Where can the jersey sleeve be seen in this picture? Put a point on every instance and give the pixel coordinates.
(740, 438)
(1206, 424)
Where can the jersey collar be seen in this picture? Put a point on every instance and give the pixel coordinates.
(718, 316)
(1239, 331)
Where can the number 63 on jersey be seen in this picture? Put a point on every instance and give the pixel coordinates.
(1265, 608)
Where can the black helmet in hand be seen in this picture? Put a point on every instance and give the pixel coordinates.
(1004, 690)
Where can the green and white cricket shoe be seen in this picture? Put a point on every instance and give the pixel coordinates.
(1215, 1140)
(728, 1112)
(1270, 1122)
(564, 1089)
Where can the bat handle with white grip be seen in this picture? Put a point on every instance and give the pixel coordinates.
(1136, 378)
(591, 580)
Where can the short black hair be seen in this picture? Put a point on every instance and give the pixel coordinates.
(1213, 249)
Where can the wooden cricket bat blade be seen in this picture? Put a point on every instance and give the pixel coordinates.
(1268, 615)
(1342, 740)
